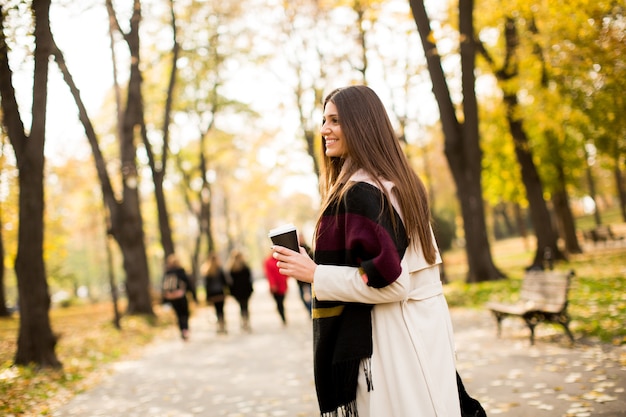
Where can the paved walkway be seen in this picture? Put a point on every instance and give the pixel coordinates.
(268, 373)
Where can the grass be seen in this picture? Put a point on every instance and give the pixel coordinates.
(609, 216)
(88, 341)
(597, 297)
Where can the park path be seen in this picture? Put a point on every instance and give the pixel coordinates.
(268, 373)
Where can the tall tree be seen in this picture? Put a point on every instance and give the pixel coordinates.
(555, 140)
(461, 138)
(158, 168)
(561, 203)
(542, 223)
(4, 311)
(578, 94)
(597, 78)
(36, 341)
(554, 72)
(126, 219)
(126, 224)
(213, 41)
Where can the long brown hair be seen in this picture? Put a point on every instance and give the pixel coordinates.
(211, 266)
(236, 261)
(373, 146)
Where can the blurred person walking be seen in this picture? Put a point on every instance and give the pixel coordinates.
(277, 283)
(174, 288)
(306, 293)
(216, 287)
(240, 285)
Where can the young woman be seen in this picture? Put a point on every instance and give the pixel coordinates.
(175, 286)
(216, 286)
(383, 335)
(241, 285)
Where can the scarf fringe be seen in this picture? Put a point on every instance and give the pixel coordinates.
(346, 410)
(367, 369)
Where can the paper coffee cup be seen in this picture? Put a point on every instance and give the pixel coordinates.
(285, 235)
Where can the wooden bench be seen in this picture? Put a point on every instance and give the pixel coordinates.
(543, 298)
(602, 233)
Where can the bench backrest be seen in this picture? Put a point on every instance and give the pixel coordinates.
(545, 290)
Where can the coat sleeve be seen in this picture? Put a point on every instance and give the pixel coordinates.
(345, 283)
(190, 285)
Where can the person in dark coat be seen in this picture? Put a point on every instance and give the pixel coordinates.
(240, 285)
(306, 293)
(175, 286)
(216, 286)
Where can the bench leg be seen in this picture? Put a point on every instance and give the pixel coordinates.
(531, 321)
(499, 317)
(564, 321)
(569, 333)
(532, 333)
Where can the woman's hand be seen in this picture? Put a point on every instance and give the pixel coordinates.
(293, 264)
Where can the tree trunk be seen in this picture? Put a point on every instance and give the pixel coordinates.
(127, 228)
(36, 342)
(461, 141)
(126, 221)
(205, 218)
(128, 233)
(125, 216)
(591, 183)
(506, 218)
(112, 283)
(309, 137)
(471, 151)
(201, 211)
(4, 311)
(542, 223)
(621, 188)
(164, 219)
(560, 200)
(158, 174)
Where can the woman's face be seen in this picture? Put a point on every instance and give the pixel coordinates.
(335, 142)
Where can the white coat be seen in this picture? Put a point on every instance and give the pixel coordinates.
(413, 362)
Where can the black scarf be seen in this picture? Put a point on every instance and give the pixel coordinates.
(358, 233)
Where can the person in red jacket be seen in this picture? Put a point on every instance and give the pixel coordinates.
(278, 285)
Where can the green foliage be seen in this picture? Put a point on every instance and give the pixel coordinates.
(566, 75)
(444, 228)
(501, 176)
(588, 221)
(598, 307)
(461, 294)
